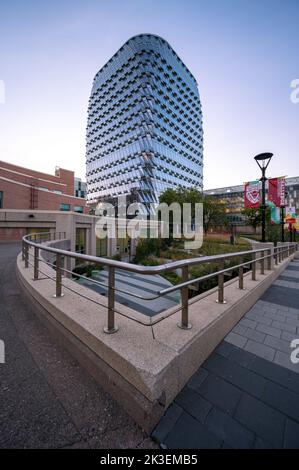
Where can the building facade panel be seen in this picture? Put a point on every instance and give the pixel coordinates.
(144, 130)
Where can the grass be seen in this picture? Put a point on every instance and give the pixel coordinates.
(212, 245)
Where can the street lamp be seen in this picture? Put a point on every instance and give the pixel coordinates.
(263, 160)
(282, 208)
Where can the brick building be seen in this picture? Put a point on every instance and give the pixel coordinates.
(22, 188)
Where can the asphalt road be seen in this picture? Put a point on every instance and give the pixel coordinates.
(47, 400)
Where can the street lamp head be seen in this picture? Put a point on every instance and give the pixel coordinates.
(263, 160)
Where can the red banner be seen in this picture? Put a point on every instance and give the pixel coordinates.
(252, 195)
(276, 191)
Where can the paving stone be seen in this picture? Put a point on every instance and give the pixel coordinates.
(276, 373)
(255, 335)
(221, 393)
(279, 344)
(239, 376)
(224, 349)
(292, 267)
(289, 336)
(285, 309)
(188, 433)
(284, 326)
(282, 296)
(261, 444)
(291, 274)
(284, 360)
(295, 311)
(242, 357)
(282, 399)
(289, 278)
(193, 403)
(291, 439)
(293, 321)
(282, 283)
(261, 419)
(270, 307)
(239, 329)
(229, 430)
(270, 330)
(248, 323)
(275, 316)
(260, 350)
(197, 379)
(236, 339)
(259, 318)
(167, 423)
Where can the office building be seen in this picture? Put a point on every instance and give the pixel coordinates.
(144, 130)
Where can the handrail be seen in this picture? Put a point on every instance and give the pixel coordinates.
(278, 254)
(144, 269)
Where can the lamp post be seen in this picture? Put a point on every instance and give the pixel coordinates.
(282, 208)
(282, 222)
(263, 160)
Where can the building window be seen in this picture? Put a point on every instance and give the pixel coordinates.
(78, 209)
(1, 199)
(65, 207)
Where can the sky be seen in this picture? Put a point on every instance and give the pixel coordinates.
(244, 56)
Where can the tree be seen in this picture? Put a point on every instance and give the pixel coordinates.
(213, 210)
(253, 217)
(214, 213)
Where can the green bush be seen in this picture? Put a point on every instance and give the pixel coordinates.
(85, 270)
(146, 247)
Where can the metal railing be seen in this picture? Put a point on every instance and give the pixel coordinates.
(261, 256)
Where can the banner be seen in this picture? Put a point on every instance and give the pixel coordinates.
(274, 213)
(290, 213)
(276, 191)
(252, 197)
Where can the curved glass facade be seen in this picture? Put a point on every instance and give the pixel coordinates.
(144, 130)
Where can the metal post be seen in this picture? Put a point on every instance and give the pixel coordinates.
(276, 256)
(111, 328)
(220, 299)
(269, 260)
(241, 277)
(58, 276)
(26, 255)
(23, 250)
(253, 268)
(262, 262)
(282, 222)
(184, 324)
(36, 254)
(263, 206)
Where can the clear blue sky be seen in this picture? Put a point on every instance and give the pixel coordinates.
(244, 55)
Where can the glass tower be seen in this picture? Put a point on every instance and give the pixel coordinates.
(144, 129)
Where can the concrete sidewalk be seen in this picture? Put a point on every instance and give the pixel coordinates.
(47, 400)
(246, 395)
